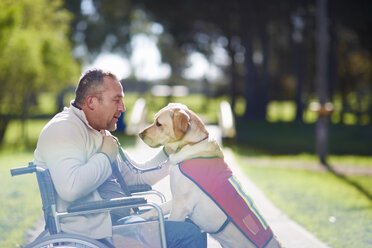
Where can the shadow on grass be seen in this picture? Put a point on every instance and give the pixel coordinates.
(347, 180)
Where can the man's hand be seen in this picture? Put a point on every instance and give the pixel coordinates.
(109, 146)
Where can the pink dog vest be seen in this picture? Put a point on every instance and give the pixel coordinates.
(215, 178)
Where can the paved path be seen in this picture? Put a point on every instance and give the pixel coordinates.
(288, 232)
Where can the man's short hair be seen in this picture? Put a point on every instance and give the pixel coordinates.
(91, 82)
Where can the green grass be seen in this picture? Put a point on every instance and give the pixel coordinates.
(20, 204)
(328, 206)
(17, 139)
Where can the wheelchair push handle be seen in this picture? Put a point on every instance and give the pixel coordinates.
(31, 168)
(22, 170)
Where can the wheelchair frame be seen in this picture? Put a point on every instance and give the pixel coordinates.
(52, 216)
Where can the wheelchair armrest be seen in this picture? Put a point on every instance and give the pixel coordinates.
(139, 188)
(108, 203)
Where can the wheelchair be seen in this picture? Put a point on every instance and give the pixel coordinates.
(138, 234)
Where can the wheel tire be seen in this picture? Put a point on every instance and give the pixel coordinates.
(66, 240)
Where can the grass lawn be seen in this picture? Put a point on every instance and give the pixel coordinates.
(20, 203)
(328, 206)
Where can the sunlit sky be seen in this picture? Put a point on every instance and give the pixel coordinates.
(114, 63)
(145, 63)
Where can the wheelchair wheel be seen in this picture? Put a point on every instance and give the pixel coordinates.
(64, 240)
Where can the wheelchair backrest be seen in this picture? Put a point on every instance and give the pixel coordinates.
(48, 199)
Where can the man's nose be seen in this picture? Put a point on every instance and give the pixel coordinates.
(122, 107)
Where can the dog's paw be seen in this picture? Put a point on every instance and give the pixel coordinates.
(172, 159)
(176, 158)
(149, 215)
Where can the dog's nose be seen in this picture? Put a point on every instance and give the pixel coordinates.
(141, 134)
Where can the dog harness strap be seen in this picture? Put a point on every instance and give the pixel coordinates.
(120, 179)
(214, 177)
(227, 221)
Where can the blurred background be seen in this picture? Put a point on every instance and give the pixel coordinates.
(274, 62)
(295, 74)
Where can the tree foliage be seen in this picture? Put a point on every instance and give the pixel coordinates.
(271, 45)
(35, 54)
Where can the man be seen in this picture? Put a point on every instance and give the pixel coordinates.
(77, 148)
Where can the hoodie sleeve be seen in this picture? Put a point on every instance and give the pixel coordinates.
(63, 149)
(151, 177)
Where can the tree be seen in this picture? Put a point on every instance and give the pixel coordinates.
(322, 77)
(35, 55)
(283, 66)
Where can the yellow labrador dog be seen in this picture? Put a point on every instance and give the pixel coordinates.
(203, 187)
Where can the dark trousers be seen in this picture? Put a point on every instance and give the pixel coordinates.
(178, 235)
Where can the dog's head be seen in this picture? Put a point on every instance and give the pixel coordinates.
(174, 126)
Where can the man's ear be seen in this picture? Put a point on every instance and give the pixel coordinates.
(91, 102)
(181, 121)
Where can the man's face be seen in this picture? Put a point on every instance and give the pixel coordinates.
(110, 105)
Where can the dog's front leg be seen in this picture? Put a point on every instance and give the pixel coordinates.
(181, 192)
(179, 211)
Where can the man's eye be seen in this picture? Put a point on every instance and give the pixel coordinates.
(158, 124)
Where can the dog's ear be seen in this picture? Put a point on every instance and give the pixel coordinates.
(181, 121)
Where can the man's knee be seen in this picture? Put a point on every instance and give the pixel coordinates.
(184, 234)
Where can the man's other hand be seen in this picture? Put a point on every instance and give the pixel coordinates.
(109, 147)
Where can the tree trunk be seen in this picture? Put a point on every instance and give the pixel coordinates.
(233, 74)
(299, 68)
(322, 77)
(333, 60)
(264, 89)
(251, 90)
(4, 121)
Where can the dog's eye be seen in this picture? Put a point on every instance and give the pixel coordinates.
(158, 124)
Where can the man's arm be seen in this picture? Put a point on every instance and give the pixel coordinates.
(151, 177)
(74, 174)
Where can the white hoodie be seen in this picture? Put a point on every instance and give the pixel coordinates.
(69, 147)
